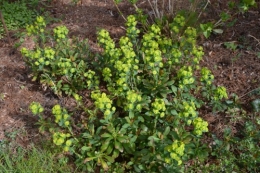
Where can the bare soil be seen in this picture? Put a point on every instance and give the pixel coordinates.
(238, 70)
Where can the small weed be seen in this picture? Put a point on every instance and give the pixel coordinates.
(2, 96)
(258, 54)
(231, 45)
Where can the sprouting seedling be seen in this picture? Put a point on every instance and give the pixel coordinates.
(231, 45)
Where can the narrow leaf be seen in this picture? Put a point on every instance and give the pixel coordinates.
(218, 31)
(119, 146)
(106, 135)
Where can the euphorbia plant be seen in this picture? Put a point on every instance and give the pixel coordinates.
(57, 61)
(144, 117)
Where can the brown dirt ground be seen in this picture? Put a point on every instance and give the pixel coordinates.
(237, 70)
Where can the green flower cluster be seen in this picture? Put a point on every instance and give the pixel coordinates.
(92, 79)
(25, 52)
(60, 32)
(68, 144)
(77, 97)
(189, 38)
(39, 57)
(125, 66)
(61, 116)
(220, 93)
(36, 108)
(158, 107)
(49, 53)
(185, 76)
(107, 43)
(128, 61)
(165, 44)
(206, 76)
(131, 31)
(151, 50)
(120, 62)
(200, 126)
(177, 24)
(133, 98)
(38, 26)
(103, 103)
(65, 66)
(106, 72)
(60, 139)
(198, 53)
(188, 109)
(176, 55)
(176, 151)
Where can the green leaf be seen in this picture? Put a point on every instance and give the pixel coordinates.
(119, 146)
(131, 114)
(34, 78)
(109, 149)
(166, 131)
(218, 31)
(170, 83)
(128, 120)
(174, 112)
(110, 159)
(129, 147)
(105, 145)
(115, 154)
(133, 139)
(104, 164)
(175, 135)
(110, 128)
(125, 126)
(154, 138)
(174, 89)
(89, 159)
(206, 34)
(106, 135)
(85, 148)
(256, 105)
(122, 139)
(140, 118)
(86, 135)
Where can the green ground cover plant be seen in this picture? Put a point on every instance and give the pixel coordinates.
(17, 14)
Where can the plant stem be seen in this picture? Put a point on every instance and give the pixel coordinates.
(204, 8)
(121, 14)
(6, 30)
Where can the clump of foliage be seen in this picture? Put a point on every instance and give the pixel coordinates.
(60, 63)
(164, 10)
(16, 14)
(146, 97)
(237, 153)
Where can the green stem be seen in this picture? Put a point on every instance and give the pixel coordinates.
(155, 123)
(119, 10)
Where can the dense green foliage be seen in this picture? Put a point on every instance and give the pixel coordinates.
(63, 67)
(17, 14)
(146, 117)
(145, 95)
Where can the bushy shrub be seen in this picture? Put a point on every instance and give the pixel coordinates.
(144, 115)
